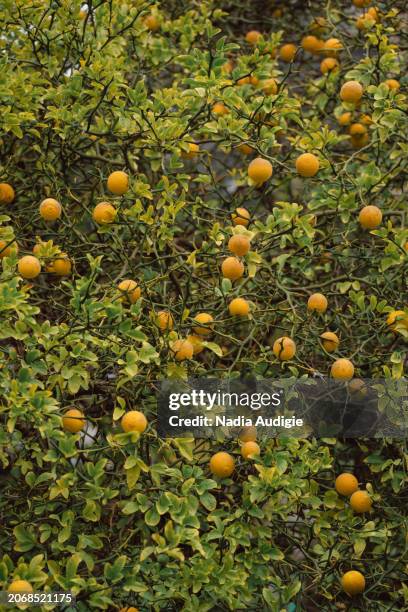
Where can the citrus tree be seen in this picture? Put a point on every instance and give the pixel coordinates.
(190, 189)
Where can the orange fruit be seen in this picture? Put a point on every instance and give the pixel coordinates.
(50, 209)
(330, 341)
(232, 268)
(241, 216)
(29, 266)
(152, 23)
(20, 586)
(182, 349)
(353, 582)
(361, 3)
(317, 302)
(248, 434)
(260, 170)
(307, 165)
(332, 46)
(104, 213)
(7, 249)
(130, 290)
(164, 320)
(250, 449)
(245, 149)
(73, 420)
(118, 182)
(393, 84)
(269, 87)
(351, 91)
(311, 43)
(346, 484)
(397, 317)
(61, 266)
(220, 109)
(342, 369)
(328, 64)
(130, 609)
(239, 244)
(359, 141)
(192, 152)
(133, 421)
(370, 217)
(239, 307)
(357, 129)
(361, 502)
(203, 318)
(7, 193)
(284, 348)
(228, 67)
(287, 52)
(196, 343)
(253, 36)
(366, 120)
(222, 464)
(344, 118)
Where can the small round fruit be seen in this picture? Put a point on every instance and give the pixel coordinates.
(7, 193)
(239, 244)
(118, 182)
(260, 170)
(248, 434)
(196, 343)
(346, 484)
(164, 320)
(20, 586)
(7, 249)
(61, 266)
(133, 421)
(284, 348)
(104, 213)
(253, 37)
(239, 307)
(203, 318)
(330, 341)
(182, 349)
(359, 141)
(357, 129)
(220, 109)
(317, 302)
(357, 388)
(287, 52)
(393, 84)
(311, 43)
(307, 165)
(344, 118)
(130, 290)
(270, 87)
(50, 209)
(152, 23)
(73, 420)
(397, 317)
(130, 609)
(361, 3)
(332, 46)
(351, 91)
(241, 216)
(250, 449)
(246, 149)
(353, 582)
(29, 266)
(342, 369)
(361, 502)
(193, 150)
(222, 464)
(370, 217)
(232, 268)
(328, 64)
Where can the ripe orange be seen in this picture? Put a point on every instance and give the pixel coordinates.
(361, 502)
(50, 209)
(359, 141)
(353, 582)
(29, 266)
(311, 43)
(357, 129)
(250, 449)
(7, 193)
(241, 216)
(270, 87)
(393, 84)
(228, 67)
(239, 307)
(182, 349)
(133, 421)
(284, 348)
(152, 23)
(307, 165)
(346, 484)
(130, 290)
(239, 244)
(361, 3)
(164, 320)
(20, 586)
(130, 609)
(370, 217)
(344, 119)
(366, 119)
(193, 150)
(196, 343)
(260, 170)
(329, 64)
(118, 182)
(222, 464)
(245, 149)
(351, 91)
(318, 302)
(248, 434)
(7, 249)
(397, 317)
(342, 369)
(330, 341)
(332, 46)
(61, 266)
(104, 213)
(287, 52)
(204, 318)
(232, 268)
(220, 109)
(73, 420)
(253, 36)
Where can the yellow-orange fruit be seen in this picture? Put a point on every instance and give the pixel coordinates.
(318, 302)
(359, 141)
(260, 170)
(246, 149)
(253, 37)
(270, 87)
(392, 84)
(344, 118)
(29, 266)
(130, 609)
(193, 150)
(361, 502)
(130, 290)
(397, 317)
(182, 349)
(346, 484)
(250, 449)
(7, 249)
(307, 165)
(351, 91)
(196, 343)
(361, 3)
(366, 119)
(342, 369)
(50, 209)
(311, 43)
(239, 307)
(7, 193)
(239, 244)
(232, 268)
(228, 67)
(104, 213)
(206, 320)
(164, 320)
(241, 216)
(73, 420)
(287, 52)
(330, 341)
(332, 46)
(357, 129)
(118, 182)
(61, 266)
(220, 109)
(284, 348)
(152, 23)
(328, 64)
(370, 217)
(20, 586)
(222, 464)
(353, 582)
(133, 421)
(248, 434)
